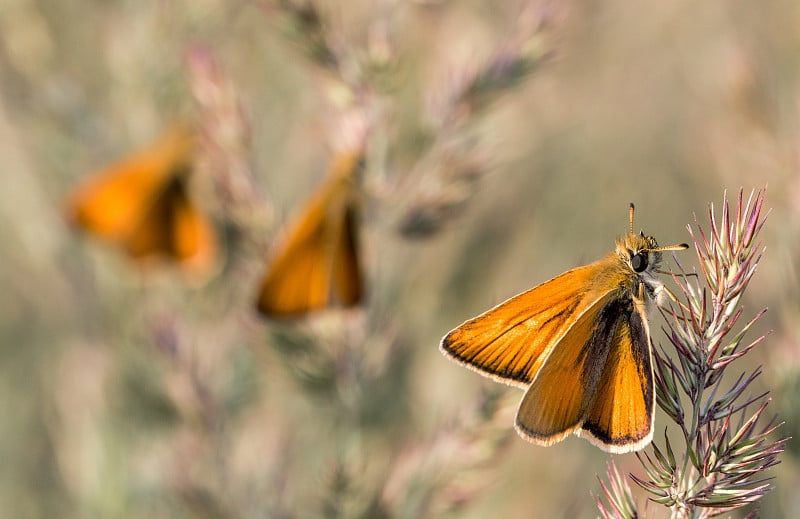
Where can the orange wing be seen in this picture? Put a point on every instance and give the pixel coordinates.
(193, 237)
(113, 202)
(318, 264)
(175, 228)
(511, 341)
(597, 382)
(141, 203)
(620, 418)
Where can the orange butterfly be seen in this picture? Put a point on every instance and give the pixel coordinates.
(142, 204)
(580, 345)
(317, 265)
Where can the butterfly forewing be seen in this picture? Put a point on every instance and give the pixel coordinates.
(511, 341)
(111, 204)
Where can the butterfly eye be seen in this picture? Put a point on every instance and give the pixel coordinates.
(639, 262)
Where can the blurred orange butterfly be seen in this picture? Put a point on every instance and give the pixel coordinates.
(580, 346)
(141, 203)
(317, 264)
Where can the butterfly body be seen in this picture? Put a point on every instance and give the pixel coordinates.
(580, 345)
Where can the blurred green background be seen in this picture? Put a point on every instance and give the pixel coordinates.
(131, 394)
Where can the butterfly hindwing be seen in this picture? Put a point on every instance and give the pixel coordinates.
(562, 391)
(597, 381)
(620, 418)
(193, 239)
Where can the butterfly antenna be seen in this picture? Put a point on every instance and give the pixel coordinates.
(630, 218)
(677, 246)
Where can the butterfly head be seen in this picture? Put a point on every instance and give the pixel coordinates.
(643, 256)
(641, 253)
